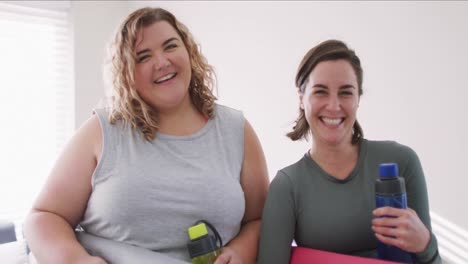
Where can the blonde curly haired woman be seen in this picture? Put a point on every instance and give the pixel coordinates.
(137, 174)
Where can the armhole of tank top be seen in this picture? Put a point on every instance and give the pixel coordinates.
(102, 118)
(242, 139)
(233, 120)
(239, 121)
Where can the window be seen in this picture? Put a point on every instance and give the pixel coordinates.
(37, 99)
(452, 240)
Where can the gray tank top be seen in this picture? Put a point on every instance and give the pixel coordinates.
(147, 194)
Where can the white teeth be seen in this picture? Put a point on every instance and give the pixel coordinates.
(332, 122)
(165, 78)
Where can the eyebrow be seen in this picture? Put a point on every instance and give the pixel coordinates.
(322, 86)
(164, 43)
(347, 86)
(318, 85)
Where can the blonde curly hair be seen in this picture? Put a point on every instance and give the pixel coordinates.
(127, 105)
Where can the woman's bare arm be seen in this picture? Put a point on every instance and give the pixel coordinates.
(49, 227)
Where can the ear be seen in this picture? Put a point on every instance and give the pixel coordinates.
(301, 96)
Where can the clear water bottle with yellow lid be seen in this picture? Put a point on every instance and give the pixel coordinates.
(203, 247)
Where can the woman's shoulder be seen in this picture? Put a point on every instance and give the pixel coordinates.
(102, 115)
(229, 119)
(290, 179)
(391, 151)
(388, 146)
(223, 111)
(102, 111)
(294, 171)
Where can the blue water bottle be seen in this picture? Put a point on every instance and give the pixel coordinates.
(390, 191)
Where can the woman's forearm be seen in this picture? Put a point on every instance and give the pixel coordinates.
(246, 242)
(51, 239)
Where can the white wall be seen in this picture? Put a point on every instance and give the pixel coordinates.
(413, 53)
(94, 24)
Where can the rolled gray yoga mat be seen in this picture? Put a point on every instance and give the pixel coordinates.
(121, 253)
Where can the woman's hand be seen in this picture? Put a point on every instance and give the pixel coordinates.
(402, 229)
(228, 256)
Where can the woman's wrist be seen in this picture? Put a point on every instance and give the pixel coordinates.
(427, 235)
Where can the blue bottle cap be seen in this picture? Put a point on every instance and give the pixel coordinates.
(388, 170)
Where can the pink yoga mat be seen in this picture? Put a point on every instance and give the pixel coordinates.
(301, 255)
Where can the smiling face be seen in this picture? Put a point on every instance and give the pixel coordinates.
(162, 68)
(330, 102)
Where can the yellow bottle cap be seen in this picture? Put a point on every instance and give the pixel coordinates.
(197, 231)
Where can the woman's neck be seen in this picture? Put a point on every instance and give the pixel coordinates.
(182, 121)
(337, 160)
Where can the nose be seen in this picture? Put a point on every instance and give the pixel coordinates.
(333, 103)
(160, 62)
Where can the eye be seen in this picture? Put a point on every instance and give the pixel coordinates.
(346, 93)
(320, 92)
(171, 46)
(142, 58)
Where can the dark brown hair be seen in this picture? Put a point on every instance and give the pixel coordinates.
(325, 51)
